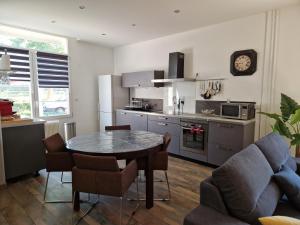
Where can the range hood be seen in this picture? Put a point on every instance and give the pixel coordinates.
(176, 69)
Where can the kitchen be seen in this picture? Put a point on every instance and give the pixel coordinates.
(200, 129)
(201, 71)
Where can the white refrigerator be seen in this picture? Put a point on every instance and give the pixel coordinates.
(111, 97)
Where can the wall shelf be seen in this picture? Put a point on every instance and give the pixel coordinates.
(173, 80)
(209, 79)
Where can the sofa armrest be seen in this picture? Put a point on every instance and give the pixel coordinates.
(203, 215)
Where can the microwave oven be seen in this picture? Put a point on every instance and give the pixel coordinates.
(240, 111)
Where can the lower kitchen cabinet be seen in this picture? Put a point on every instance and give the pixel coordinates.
(226, 139)
(122, 118)
(23, 150)
(163, 127)
(137, 121)
(223, 141)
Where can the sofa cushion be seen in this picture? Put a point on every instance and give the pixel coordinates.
(285, 208)
(292, 163)
(289, 182)
(276, 151)
(246, 184)
(211, 196)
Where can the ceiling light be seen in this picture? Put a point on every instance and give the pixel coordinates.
(5, 62)
(81, 7)
(176, 11)
(103, 34)
(53, 21)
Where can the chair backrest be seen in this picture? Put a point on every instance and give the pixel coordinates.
(54, 143)
(167, 140)
(98, 163)
(120, 127)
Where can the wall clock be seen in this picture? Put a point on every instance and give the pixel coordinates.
(243, 63)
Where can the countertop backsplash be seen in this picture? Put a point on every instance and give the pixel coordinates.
(179, 89)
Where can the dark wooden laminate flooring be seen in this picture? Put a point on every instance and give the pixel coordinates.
(21, 202)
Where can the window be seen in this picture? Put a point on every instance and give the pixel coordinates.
(41, 73)
(19, 89)
(53, 84)
(18, 38)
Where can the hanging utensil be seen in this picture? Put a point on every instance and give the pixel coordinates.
(207, 94)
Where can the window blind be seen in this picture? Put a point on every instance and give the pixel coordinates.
(53, 70)
(19, 60)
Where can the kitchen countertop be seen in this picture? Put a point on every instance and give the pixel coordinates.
(21, 122)
(193, 116)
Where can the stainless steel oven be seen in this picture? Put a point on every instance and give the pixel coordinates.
(194, 136)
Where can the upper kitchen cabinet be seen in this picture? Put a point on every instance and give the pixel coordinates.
(142, 79)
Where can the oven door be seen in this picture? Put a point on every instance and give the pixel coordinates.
(194, 139)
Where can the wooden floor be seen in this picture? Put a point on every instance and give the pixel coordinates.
(21, 203)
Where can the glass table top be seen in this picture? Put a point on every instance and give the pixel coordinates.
(113, 142)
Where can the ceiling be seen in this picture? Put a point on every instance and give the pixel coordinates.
(153, 18)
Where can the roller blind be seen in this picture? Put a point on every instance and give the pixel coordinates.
(53, 70)
(19, 60)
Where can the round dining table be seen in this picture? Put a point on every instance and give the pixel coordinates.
(122, 144)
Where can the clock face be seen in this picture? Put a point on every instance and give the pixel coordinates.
(242, 63)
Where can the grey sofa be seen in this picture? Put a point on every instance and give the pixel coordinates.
(243, 189)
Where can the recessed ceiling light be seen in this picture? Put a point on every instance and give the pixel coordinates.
(81, 7)
(134, 25)
(103, 34)
(53, 21)
(176, 11)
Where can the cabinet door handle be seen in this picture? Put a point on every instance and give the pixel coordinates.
(224, 148)
(139, 115)
(162, 124)
(123, 113)
(162, 118)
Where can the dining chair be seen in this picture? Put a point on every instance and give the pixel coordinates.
(101, 175)
(121, 163)
(57, 160)
(118, 127)
(160, 163)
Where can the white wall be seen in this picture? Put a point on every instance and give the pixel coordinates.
(287, 78)
(207, 52)
(274, 35)
(87, 62)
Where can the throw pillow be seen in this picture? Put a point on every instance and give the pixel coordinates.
(289, 183)
(246, 184)
(276, 150)
(279, 220)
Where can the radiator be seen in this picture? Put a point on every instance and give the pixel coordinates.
(51, 127)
